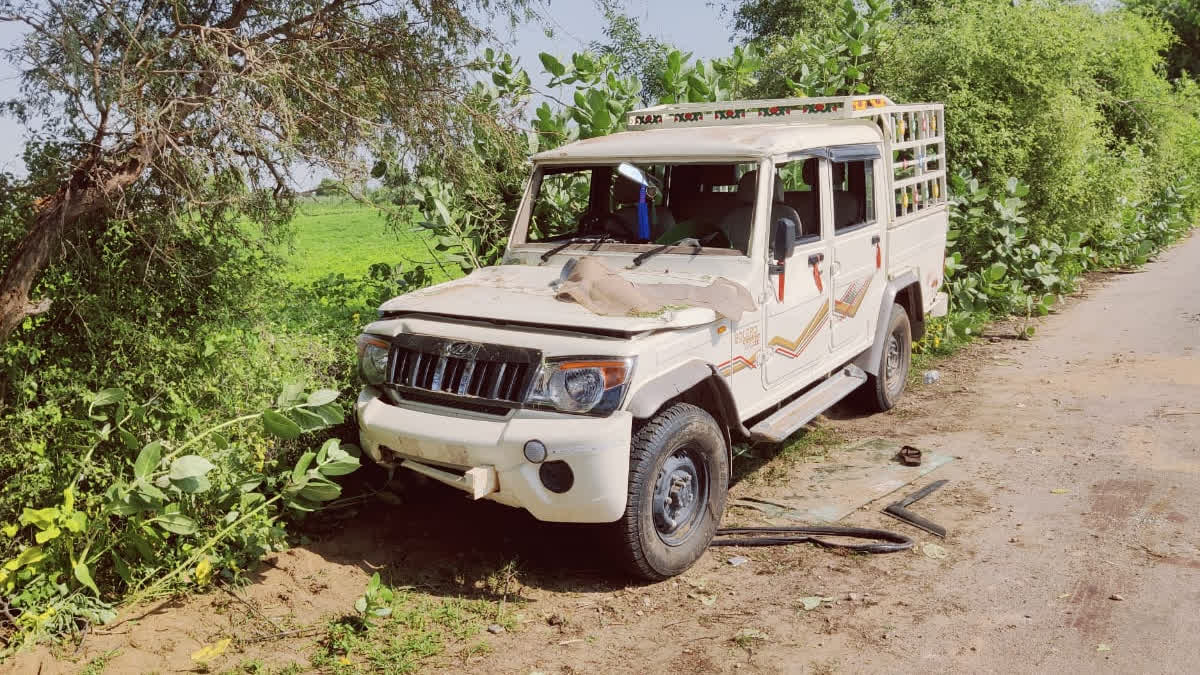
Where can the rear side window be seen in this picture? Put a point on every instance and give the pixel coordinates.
(853, 194)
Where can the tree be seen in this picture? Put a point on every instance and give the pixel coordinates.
(157, 113)
(1184, 18)
(638, 54)
(769, 19)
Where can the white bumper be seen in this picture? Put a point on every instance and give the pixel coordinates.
(479, 448)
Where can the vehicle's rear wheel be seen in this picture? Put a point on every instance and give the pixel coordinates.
(678, 477)
(881, 391)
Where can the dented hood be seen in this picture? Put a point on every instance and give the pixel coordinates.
(523, 293)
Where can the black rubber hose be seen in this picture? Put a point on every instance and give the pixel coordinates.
(885, 542)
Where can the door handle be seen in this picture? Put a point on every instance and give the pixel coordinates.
(875, 240)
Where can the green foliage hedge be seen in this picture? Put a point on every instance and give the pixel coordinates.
(1068, 99)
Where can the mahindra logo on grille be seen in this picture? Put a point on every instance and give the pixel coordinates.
(462, 350)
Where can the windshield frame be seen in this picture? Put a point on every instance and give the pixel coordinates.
(517, 234)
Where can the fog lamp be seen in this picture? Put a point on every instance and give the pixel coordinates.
(535, 451)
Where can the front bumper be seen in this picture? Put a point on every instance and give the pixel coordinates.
(461, 442)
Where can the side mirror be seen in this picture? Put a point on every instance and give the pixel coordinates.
(783, 238)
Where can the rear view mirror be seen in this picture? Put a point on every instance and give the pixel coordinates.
(640, 177)
(783, 239)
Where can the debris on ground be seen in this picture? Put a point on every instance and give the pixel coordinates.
(899, 510)
(738, 560)
(750, 635)
(495, 629)
(909, 456)
(813, 601)
(1103, 647)
(934, 551)
(932, 376)
(1116, 596)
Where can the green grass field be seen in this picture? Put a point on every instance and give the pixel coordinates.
(341, 236)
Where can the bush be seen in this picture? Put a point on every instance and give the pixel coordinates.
(1068, 99)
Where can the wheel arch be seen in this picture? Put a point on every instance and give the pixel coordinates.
(696, 382)
(904, 290)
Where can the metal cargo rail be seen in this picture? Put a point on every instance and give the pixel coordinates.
(913, 134)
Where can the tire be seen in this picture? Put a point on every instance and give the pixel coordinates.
(881, 392)
(681, 451)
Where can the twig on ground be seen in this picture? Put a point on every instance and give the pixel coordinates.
(307, 631)
(252, 608)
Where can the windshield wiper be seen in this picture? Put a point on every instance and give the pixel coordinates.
(587, 238)
(655, 251)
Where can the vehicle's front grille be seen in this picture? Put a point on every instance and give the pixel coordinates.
(460, 370)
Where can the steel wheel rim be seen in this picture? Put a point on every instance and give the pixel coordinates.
(680, 496)
(893, 366)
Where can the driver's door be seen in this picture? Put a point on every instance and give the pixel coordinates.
(797, 336)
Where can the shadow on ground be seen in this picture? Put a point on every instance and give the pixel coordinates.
(435, 539)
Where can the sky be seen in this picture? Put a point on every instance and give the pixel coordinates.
(691, 25)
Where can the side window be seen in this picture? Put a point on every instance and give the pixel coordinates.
(853, 194)
(801, 194)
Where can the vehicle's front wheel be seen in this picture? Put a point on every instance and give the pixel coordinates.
(678, 478)
(881, 391)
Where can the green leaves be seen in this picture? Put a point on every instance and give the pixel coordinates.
(84, 576)
(189, 474)
(321, 397)
(147, 460)
(176, 522)
(278, 425)
(40, 518)
(334, 461)
(552, 65)
(108, 397)
(376, 600)
(189, 466)
(308, 487)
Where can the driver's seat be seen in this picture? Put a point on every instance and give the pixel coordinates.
(737, 222)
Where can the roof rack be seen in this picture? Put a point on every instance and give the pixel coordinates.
(913, 133)
(764, 111)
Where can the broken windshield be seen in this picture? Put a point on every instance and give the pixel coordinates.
(654, 204)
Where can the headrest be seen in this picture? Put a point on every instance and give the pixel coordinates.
(714, 174)
(626, 191)
(746, 185)
(749, 181)
(809, 172)
(839, 174)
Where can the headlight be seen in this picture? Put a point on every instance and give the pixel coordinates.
(582, 385)
(373, 358)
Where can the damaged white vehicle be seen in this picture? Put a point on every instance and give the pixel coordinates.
(719, 273)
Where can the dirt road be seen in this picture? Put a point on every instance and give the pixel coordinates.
(1073, 510)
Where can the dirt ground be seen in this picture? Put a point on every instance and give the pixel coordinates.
(1074, 539)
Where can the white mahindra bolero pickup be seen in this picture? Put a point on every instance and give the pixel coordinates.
(720, 273)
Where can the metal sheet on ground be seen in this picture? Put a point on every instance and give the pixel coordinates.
(852, 477)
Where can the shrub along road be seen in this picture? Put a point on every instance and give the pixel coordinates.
(1074, 543)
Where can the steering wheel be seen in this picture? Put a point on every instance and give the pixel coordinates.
(607, 223)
